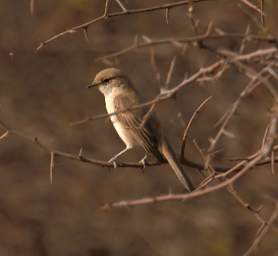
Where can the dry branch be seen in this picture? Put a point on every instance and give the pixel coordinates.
(248, 165)
(263, 231)
(188, 40)
(123, 12)
(186, 131)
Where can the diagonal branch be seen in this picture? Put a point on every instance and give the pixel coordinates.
(187, 129)
(264, 231)
(253, 7)
(164, 95)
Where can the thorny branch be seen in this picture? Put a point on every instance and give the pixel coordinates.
(124, 11)
(263, 230)
(180, 42)
(198, 76)
(81, 158)
(259, 65)
(164, 94)
(253, 7)
(186, 131)
(248, 165)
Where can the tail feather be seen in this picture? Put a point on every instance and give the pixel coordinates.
(170, 156)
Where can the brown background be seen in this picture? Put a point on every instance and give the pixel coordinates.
(41, 94)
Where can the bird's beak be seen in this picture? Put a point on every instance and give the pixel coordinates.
(93, 84)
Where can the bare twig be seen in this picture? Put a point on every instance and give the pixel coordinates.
(167, 14)
(4, 135)
(253, 7)
(164, 95)
(255, 212)
(262, 11)
(51, 167)
(273, 162)
(201, 153)
(264, 151)
(170, 72)
(32, 7)
(148, 115)
(187, 129)
(187, 40)
(263, 231)
(123, 12)
(256, 80)
(121, 5)
(105, 13)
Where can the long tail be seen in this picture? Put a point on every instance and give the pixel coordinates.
(170, 156)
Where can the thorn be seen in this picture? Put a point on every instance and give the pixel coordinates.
(32, 7)
(11, 55)
(167, 13)
(121, 5)
(105, 14)
(4, 135)
(80, 152)
(136, 40)
(41, 45)
(52, 155)
(85, 33)
(170, 191)
(114, 164)
(143, 162)
(146, 39)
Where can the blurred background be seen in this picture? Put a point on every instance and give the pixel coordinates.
(42, 93)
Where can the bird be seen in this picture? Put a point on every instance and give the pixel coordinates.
(120, 97)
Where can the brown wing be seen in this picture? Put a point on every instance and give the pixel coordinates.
(148, 135)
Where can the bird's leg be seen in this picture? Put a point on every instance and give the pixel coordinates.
(112, 160)
(143, 161)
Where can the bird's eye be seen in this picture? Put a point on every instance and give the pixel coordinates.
(106, 80)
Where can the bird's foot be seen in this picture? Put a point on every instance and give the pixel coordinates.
(143, 161)
(112, 161)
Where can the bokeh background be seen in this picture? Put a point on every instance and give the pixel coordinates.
(42, 93)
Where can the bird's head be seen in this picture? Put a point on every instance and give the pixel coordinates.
(108, 79)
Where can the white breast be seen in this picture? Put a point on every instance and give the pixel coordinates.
(122, 131)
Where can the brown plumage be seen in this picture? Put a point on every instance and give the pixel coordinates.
(120, 96)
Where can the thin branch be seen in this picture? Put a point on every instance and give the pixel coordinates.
(264, 231)
(167, 14)
(264, 151)
(201, 153)
(148, 115)
(4, 135)
(170, 72)
(86, 35)
(273, 162)
(164, 95)
(180, 197)
(123, 12)
(187, 40)
(244, 40)
(256, 80)
(105, 13)
(32, 7)
(253, 7)
(187, 129)
(51, 167)
(262, 11)
(246, 205)
(121, 5)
